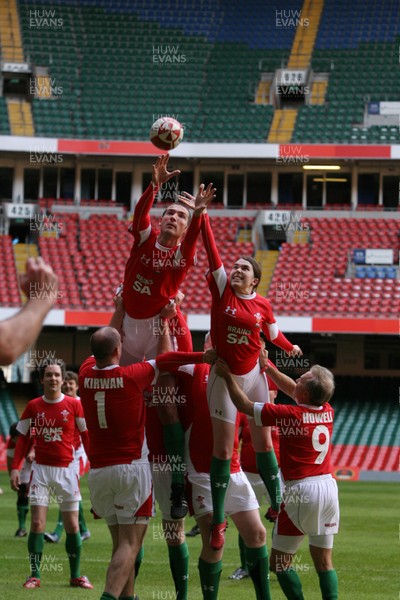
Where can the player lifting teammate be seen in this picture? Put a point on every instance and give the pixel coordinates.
(157, 266)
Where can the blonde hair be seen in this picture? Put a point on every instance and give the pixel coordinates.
(321, 386)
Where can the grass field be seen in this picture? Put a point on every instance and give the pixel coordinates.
(365, 554)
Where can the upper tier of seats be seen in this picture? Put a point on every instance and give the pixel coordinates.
(309, 279)
(120, 65)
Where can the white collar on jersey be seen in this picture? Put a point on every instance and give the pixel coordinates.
(165, 248)
(105, 368)
(310, 407)
(246, 296)
(59, 399)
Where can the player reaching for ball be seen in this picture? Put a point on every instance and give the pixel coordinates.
(157, 266)
(238, 315)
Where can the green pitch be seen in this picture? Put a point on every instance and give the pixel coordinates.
(365, 554)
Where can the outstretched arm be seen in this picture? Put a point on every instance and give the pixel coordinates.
(141, 215)
(18, 333)
(200, 202)
(282, 381)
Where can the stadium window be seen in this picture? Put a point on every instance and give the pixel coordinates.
(235, 190)
(391, 191)
(394, 360)
(314, 192)
(290, 188)
(50, 175)
(88, 183)
(217, 179)
(104, 184)
(6, 183)
(368, 189)
(372, 359)
(146, 180)
(123, 186)
(67, 183)
(338, 192)
(31, 184)
(258, 188)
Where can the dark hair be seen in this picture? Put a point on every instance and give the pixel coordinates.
(256, 268)
(52, 361)
(71, 375)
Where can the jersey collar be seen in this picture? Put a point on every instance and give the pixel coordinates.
(246, 296)
(59, 399)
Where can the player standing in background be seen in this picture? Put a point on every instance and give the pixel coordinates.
(156, 267)
(22, 498)
(51, 420)
(238, 315)
(120, 478)
(310, 502)
(70, 388)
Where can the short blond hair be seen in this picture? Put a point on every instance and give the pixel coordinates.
(322, 385)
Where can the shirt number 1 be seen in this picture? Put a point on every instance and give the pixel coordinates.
(100, 398)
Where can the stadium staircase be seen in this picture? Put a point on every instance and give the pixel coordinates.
(318, 92)
(10, 34)
(262, 94)
(267, 260)
(305, 37)
(282, 126)
(20, 117)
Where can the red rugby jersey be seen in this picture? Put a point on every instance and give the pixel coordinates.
(154, 273)
(305, 435)
(52, 426)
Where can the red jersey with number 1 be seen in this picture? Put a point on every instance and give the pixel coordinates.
(305, 434)
(112, 399)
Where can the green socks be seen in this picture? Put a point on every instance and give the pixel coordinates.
(22, 511)
(290, 584)
(60, 525)
(242, 551)
(257, 566)
(219, 478)
(210, 574)
(35, 549)
(328, 582)
(139, 560)
(82, 522)
(267, 466)
(73, 544)
(179, 564)
(174, 442)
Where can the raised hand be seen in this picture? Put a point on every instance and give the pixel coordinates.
(160, 171)
(204, 197)
(39, 282)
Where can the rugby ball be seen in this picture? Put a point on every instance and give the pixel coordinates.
(166, 133)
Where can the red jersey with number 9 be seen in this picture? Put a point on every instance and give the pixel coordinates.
(112, 400)
(305, 434)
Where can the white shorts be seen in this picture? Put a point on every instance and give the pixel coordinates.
(58, 485)
(254, 384)
(239, 494)
(122, 494)
(311, 507)
(162, 490)
(259, 488)
(140, 339)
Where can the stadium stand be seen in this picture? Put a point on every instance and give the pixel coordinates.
(365, 433)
